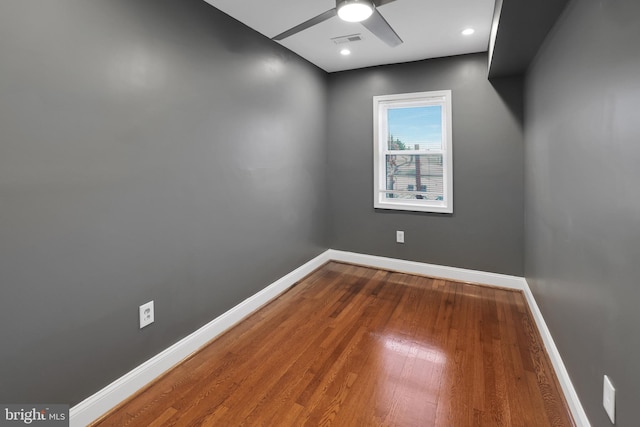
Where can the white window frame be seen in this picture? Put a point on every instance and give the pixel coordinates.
(380, 135)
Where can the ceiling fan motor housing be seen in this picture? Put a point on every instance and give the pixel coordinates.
(354, 10)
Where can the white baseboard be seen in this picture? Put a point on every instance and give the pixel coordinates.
(95, 406)
(579, 415)
(104, 400)
(431, 270)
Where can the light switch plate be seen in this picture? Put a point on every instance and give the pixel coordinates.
(609, 399)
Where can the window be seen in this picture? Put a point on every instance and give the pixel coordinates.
(413, 164)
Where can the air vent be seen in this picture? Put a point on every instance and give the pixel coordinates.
(347, 39)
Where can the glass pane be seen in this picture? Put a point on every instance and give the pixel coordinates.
(414, 176)
(415, 128)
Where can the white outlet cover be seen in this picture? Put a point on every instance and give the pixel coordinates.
(146, 312)
(609, 399)
(399, 236)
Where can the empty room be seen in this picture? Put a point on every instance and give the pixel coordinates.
(319, 212)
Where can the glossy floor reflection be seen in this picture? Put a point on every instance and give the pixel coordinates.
(356, 346)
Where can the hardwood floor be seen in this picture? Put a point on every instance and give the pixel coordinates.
(356, 346)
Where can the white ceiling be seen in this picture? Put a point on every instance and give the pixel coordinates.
(429, 29)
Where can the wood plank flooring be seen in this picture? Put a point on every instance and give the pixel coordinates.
(356, 346)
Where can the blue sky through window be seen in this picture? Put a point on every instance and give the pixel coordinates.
(417, 125)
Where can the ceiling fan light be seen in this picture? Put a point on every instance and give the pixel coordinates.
(354, 10)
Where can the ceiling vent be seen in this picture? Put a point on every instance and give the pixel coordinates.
(347, 39)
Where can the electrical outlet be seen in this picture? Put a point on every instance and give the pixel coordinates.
(609, 399)
(146, 314)
(399, 236)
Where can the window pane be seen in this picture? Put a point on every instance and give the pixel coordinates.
(412, 160)
(414, 176)
(415, 128)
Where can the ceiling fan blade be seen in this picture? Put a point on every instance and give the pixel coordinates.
(381, 29)
(307, 24)
(379, 3)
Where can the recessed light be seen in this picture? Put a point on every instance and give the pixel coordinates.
(345, 52)
(468, 31)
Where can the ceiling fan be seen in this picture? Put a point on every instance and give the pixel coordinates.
(363, 11)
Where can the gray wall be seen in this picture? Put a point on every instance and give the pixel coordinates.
(485, 232)
(582, 198)
(149, 150)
